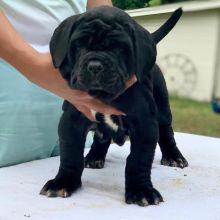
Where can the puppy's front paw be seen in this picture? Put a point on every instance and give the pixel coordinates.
(60, 187)
(143, 197)
(174, 159)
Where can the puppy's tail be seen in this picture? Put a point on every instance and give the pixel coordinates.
(159, 34)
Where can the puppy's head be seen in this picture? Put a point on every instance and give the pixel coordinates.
(98, 51)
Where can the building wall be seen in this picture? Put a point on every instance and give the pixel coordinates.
(187, 55)
(216, 93)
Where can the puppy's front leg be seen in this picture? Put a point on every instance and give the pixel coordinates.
(144, 136)
(72, 134)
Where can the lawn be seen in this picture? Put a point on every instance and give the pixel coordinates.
(194, 117)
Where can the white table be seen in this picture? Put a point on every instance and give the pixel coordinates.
(191, 193)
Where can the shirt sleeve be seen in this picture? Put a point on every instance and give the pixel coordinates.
(36, 20)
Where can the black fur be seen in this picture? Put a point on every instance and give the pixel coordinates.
(98, 52)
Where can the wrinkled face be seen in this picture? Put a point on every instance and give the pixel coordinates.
(103, 58)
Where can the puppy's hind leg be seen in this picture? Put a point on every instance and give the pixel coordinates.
(95, 159)
(171, 155)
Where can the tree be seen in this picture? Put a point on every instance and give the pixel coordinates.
(133, 4)
(130, 4)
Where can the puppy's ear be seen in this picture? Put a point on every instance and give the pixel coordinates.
(145, 52)
(60, 40)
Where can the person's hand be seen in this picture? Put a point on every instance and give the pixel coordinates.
(86, 104)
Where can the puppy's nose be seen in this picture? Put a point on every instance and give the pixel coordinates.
(95, 66)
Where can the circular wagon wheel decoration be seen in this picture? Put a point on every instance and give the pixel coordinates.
(180, 73)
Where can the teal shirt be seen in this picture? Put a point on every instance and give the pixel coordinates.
(29, 115)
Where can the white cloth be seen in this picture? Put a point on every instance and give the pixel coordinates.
(192, 193)
(36, 20)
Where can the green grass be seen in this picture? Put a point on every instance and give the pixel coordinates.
(194, 117)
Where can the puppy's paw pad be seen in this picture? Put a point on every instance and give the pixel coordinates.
(177, 162)
(59, 193)
(174, 158)
(56, 188)
(94, 164)
(143, 197)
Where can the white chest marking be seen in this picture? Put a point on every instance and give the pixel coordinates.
(107, 120)
(110, 123)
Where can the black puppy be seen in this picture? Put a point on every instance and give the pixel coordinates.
(98, 52)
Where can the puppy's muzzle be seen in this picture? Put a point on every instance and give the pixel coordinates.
(100, 78)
